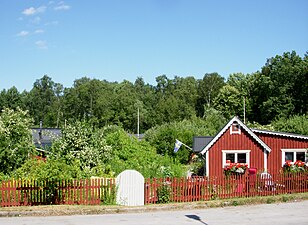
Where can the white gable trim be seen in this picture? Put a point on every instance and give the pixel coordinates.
(235, 119)
(207, 164)
(265, 161)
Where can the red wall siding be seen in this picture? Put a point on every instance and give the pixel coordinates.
(229, 141)
(276, 143)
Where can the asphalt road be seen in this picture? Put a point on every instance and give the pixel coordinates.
(272, 214)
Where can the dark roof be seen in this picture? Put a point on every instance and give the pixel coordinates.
(200, 142)
(138, 136)
(43, 137)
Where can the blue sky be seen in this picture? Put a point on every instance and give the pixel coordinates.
(115, 40)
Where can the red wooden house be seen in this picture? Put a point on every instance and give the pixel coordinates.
(260, 149)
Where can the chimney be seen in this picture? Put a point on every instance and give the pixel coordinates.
(40, 132)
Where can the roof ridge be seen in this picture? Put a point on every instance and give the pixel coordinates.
(280, 133)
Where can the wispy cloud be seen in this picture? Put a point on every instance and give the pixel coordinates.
(41, 9)
(39, 31)
(62, 6)
(32, 11)
(23, 33)
(52, 23)
(35, 20)
(41, 44)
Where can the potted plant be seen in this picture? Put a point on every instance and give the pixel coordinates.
(235, 168)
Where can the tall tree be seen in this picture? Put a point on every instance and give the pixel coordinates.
(242, 83)
(146, 101)
(11, 98)
(229, 102)
(124, 106)
(208, 89)
(41, 101)
(176, 99)
(89, 99)
(288, 85)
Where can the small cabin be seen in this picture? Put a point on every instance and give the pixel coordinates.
(262, 150)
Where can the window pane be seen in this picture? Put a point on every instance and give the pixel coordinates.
(241, 158)
(289, 156)
(300, 156)
(231, 157)
(235, 127)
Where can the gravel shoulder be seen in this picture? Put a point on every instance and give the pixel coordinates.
(61, 210)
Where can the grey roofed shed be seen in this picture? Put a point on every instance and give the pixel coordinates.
(43, 137)
(199, 142)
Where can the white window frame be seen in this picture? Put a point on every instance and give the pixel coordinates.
(232, 131)
(294, 150)
(225, 152)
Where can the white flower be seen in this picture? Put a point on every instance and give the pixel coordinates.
(240, 170)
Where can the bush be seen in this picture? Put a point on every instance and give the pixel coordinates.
(163, 193)
(294, 124)
(130, 153)
(15, 139)
(35, 169)
(163, 137)
(81, 142)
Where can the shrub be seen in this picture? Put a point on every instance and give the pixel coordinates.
(34, 169)
(130, 153)
(15, 139)
(163, 193)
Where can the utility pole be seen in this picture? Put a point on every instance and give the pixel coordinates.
(138, 123)
(244, 109)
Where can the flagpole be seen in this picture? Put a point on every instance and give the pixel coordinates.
(185, 145)
(138, 123)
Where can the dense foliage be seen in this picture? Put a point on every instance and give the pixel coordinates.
(163, 137)
(15, 139)
(130, 153)
(96, 116)
(85, 145)
(279, 89)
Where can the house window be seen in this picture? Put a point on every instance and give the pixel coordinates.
(241, 158)
(230, 157)
(293, 155)
(235, 156)
(235, 128)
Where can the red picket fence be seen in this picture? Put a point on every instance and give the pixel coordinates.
(103, 190)
(204, 188)
(65, 192)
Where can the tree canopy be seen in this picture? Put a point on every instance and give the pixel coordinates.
(96, 117)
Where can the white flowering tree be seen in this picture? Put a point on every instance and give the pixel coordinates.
(82, 143)
(15, 139)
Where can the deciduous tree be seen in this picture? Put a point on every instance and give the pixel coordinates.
(15, 139)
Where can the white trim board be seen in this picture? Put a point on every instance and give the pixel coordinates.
(222, 131)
